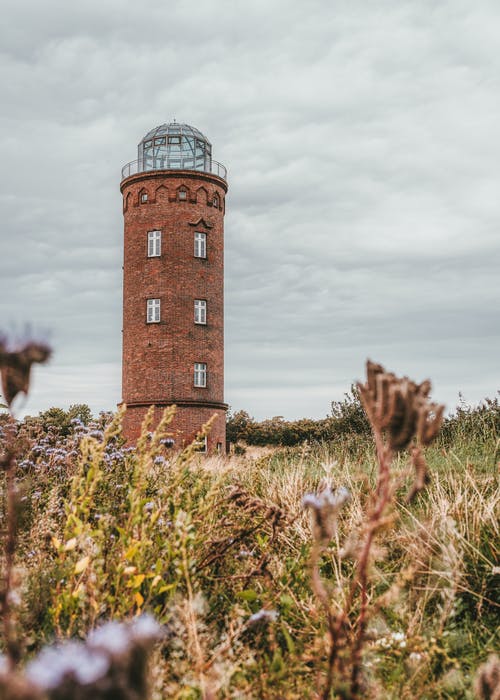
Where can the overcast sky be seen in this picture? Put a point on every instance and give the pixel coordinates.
(363, 153)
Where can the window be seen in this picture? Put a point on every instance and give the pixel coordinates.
(153, 311)
(182, 195)
(201, 444)
(154, 244)
(200, 311)
(144, 197)
(219, 447)
(174, 139)
(200, 374)
(215, 200)
(200, 245)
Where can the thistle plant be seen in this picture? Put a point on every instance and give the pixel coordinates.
(401, 417)
(16, 363)
(110, 665)
(15, 370)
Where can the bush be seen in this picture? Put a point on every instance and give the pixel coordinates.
(346, 421)
(60, 422)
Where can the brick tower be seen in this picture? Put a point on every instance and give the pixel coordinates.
(173, 284)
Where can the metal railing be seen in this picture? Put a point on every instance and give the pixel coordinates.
(145, 165)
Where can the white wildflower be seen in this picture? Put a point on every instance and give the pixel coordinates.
(14, 598)
(112, 637)
(4, 664)
(399, 638)
(72, 660)
(263, 616)
(145, 629)
(325, 506)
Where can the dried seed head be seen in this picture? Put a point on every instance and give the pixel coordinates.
(422, 476)
(400, 407)
(15, 366)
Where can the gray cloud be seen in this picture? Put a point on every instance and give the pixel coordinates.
(363, 212)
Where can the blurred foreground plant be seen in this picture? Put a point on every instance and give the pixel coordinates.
(110, 665)
(487, 681)
(400, 416)
(15, 371)
(16, 363)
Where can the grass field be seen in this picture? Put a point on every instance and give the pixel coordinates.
(254, 589)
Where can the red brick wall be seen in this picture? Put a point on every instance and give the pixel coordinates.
(186, 424)
(158, 358)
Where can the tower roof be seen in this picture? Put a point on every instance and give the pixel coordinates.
(174, 146)
(175, 129)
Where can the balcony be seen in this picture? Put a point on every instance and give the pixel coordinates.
(179, 162)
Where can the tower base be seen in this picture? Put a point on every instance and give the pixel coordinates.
(187, 422)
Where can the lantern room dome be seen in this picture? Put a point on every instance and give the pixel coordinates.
(174, 146)
(175, 129)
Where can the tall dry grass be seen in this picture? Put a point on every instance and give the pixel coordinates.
(221, 551)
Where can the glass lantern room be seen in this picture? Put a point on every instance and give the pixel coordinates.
(174, 147)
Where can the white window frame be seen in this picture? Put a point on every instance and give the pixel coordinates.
(200, 312)
(153, 311)
(200, 375)
(203, 448)
(182, 195)
(144, 197)
(200, 244)
(154, 244)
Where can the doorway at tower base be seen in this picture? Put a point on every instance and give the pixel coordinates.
(186, 424)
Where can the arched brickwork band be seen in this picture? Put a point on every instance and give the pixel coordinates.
(173, 286)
